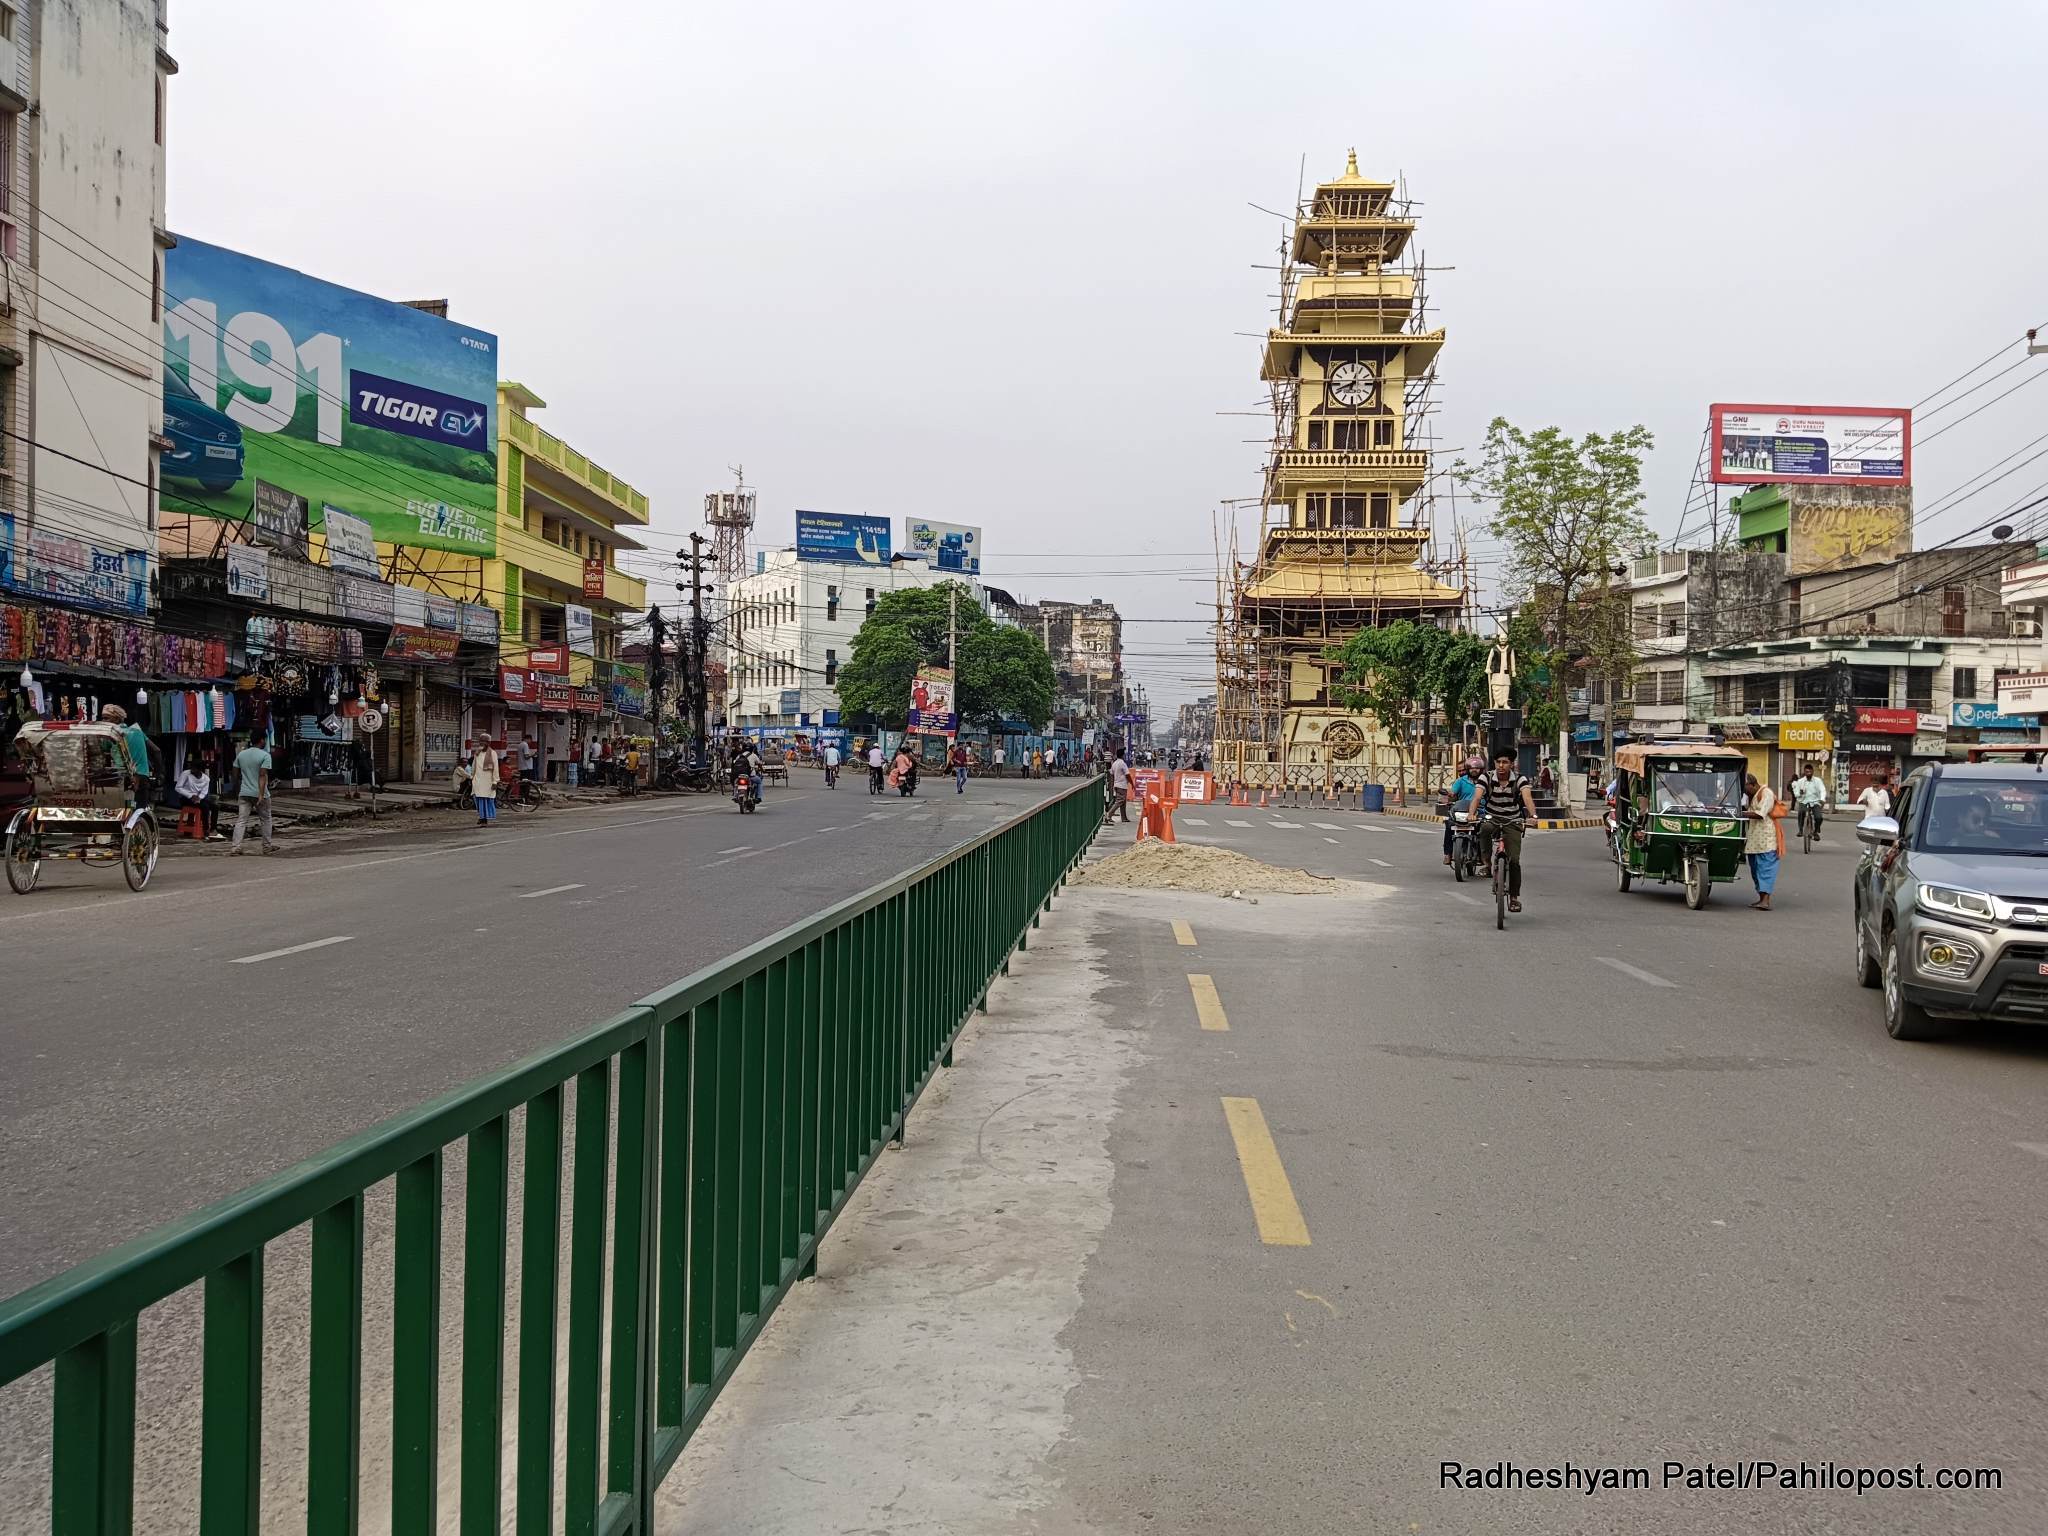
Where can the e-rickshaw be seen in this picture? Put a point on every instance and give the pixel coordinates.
(1678, 815)
(83, 807)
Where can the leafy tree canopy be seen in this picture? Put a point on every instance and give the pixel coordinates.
(1002, 671)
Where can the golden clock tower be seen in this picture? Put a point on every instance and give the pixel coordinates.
(1342, 537)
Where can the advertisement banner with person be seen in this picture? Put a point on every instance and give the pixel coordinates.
(931, 702)
(1811, 445)
(333, 397)
(843, 538)
(949, 546)
(249, 573)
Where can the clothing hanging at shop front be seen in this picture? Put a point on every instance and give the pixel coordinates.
(192, 711)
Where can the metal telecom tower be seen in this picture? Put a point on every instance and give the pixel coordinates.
(730, 517)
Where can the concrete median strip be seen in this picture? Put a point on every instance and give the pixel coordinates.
(1274, 1207)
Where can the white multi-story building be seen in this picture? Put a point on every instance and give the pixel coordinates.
(789, 629)
(82, 109)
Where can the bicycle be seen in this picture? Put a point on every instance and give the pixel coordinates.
(1809, 827)
(1497, 863)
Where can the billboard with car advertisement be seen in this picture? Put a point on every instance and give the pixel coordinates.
(842, 537)
(949, 546)
(328, 396)
(1812, 445)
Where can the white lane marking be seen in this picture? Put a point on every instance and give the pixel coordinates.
(816, 830)
(1366, 826)
(1649, 977)
(553, 890)
(1292, 824)
(1383, 864)
(1329, 840)
(1326, 826)
(296, 949)
(1193, 821)
(2038, 1148)
(1420, 831)
(877, 815)
(742, 848)
(1470, 901)
(1229, 823)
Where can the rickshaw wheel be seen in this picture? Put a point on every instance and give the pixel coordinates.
(24, 861)
(138, 853)
(1699, 883)
(1622, 878)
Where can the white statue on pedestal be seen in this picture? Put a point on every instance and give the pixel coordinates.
(1500, 673)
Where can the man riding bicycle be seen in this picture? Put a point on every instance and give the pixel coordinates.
(1810, 795)
(1505, 799)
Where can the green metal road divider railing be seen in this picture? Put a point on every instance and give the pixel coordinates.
(751, 1099)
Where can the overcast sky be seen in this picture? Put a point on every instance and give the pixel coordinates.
(993, 263)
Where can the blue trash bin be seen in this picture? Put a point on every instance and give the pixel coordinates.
(1372, 797)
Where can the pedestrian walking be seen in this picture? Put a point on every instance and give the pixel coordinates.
(1120, 787)
(995, 758)
(252, 793)
(483, 782)
(959, 761)
(1760, 841)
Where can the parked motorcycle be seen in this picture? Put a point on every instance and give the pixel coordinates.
(746, 794)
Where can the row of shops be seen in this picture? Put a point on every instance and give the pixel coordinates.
(343, 677)
(1881, 743)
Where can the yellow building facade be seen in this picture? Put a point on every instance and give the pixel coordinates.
(1342, 539)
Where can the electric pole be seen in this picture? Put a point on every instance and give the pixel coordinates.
(697, 691)
(658, 627)
(952, 649)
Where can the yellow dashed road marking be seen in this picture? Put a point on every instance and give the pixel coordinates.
(1183, 935)
(1265, 1180)
(1208, 1006)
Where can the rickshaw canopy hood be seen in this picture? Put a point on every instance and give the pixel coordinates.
(1637, 757)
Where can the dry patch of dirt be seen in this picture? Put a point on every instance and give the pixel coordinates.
(1199, 867)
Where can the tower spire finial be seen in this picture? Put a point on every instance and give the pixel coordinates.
(1351, 162)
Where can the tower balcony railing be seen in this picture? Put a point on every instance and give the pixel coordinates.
(1380, 462)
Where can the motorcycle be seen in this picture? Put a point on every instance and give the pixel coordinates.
(906, 784)
(1467, 854)
(746, 794)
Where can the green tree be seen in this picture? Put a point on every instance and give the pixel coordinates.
(1002, 670)
(1403, 670)
(1568, 510)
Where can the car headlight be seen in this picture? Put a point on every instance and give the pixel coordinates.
(1950, 902)
(1950, 957)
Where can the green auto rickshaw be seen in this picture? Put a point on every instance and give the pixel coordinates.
(1677, 815)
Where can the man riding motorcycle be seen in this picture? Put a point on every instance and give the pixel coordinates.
(747, 761)
(1458, 794)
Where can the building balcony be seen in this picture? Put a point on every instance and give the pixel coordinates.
(550, 451)
(1395, 468)
(564, 567)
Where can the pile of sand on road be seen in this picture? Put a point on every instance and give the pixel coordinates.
(1199, 867)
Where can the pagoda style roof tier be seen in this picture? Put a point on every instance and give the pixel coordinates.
(1351, 241)
(1381, 549)
(1401, 469)
(1322, 297)
(1359, 584)
(1283, 348)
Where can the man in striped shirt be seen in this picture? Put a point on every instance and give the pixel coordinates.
(1504, 798)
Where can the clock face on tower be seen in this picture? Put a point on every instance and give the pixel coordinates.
(1352, 384)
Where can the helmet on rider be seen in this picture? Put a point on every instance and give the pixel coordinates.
(1475, 764)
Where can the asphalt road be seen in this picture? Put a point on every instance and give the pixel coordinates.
(1625, 1185)
(160, 1051)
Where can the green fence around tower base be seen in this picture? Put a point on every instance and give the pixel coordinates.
(714, 1131)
